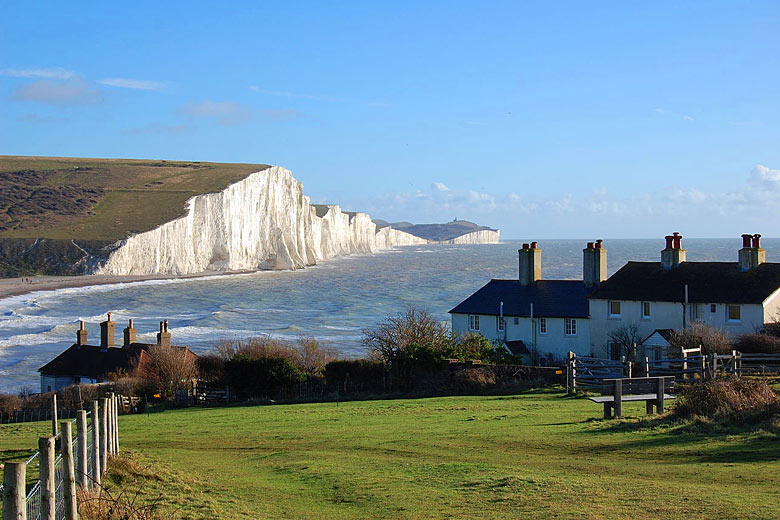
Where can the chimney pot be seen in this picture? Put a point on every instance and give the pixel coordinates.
(669, 239)
(746, 238)
(757, 241)
(590, 245)
(525, 246)
(534, 245)
(599, 243)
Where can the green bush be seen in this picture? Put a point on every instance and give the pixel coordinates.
(268, 377)
(736, 400)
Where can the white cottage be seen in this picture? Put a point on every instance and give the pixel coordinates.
(527, 314)
(738, 297)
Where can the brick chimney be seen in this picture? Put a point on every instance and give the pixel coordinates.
(81, 334)
(107, 333)
(130, 334)
(752, 254)
(530, 263)
(594, 263)
(673, 255)
(164, 336)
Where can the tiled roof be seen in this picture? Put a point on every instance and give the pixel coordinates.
(96, 362)
(550, 298)
(708, 282)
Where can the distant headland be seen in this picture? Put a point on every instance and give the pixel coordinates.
(123, 217)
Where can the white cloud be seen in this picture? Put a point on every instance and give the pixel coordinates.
(70, 92)
(138, 84)
(39, 73)
(671, 113)
(439, 186)
(766, 178)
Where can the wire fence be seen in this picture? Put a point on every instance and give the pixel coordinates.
(84, 471)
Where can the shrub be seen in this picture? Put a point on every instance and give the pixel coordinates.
(168, 368)
(358, 375)
(211, 368)
(253, 377)
(9, 404)
(710, 339)
(732, 399)
(758, 344)
(473, 380)
(412, 331)
(312, 357)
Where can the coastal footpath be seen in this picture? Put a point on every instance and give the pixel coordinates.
(261, 222)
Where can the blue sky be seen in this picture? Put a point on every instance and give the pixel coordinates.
(547, 120)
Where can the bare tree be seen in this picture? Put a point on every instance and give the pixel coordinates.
(168, 368)
(312, 357)
(627, 338)
(396, 334)
(709, 338)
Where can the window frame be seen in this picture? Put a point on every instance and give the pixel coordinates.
(609, 308)
(542, 326)
(500, 324)
(473, 321)
(569, 326)
(730, 306)
(649, 314)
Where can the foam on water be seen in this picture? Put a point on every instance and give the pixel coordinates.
(332, 301)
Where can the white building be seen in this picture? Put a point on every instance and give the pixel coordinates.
(738, 297)
(527, 314)
(558, 316)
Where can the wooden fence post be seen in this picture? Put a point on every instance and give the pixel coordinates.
(103, 434)
(48, 485)
(659, 397)
(54, 415)
(96, 467)
(81, 449)
(110, 424)
(68, 472)
(647, 366)
(618, 403)
(116, 424)
(15, 491)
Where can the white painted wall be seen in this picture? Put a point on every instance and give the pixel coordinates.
(772, 307)
(554, 341)
(667, 315)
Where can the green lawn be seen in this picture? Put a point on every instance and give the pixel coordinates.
(536, 455)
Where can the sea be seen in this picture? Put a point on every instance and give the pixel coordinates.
(333, 301)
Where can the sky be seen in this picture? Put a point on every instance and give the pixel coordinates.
(544, 119)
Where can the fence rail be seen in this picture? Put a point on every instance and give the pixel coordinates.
(588, 373)
(53, 495)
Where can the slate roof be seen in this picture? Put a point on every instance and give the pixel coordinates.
(551, 299)
(708, 282)
(96, 362)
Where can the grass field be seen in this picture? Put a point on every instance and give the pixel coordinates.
(101, 199)
(535, 455)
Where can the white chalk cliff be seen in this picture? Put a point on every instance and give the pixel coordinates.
(483, 236)
(261, 222)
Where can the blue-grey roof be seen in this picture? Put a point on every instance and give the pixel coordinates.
(551, 299)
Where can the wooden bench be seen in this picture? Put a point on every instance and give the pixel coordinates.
(652, 390)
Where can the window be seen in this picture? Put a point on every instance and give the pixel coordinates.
(713, 307)
(501, 324)
(733, 313)
(473, 322)
(645, 310)
(570, 326)
(614, 309)
(542, 325)
(696, 312)
(517, 320)
(615, 351)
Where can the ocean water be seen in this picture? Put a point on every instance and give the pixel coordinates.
(332, 301)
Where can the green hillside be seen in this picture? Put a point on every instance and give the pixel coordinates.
(101, 199)
(535, 455)
(435, 232)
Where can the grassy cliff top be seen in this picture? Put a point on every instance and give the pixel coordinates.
(436, 232)
(102, 199)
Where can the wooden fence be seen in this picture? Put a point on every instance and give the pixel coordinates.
(81, 461)
(587, 373)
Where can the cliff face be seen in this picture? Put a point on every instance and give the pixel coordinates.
(485, 236)
(261, 222)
